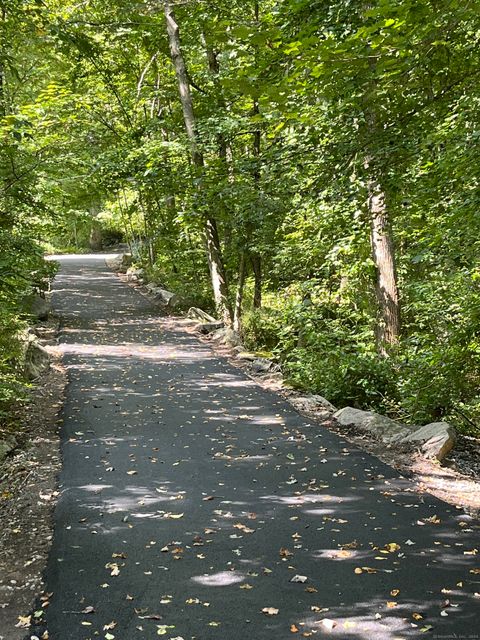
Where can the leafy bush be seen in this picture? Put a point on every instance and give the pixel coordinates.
(329, 348)
(261, 328)
(23, 270)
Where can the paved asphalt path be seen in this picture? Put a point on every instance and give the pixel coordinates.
(190, 498)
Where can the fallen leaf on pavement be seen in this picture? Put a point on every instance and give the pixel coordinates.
(270, 611)
(298, 578)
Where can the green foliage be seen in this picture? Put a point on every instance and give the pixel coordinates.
(297, 110)
(23, 271)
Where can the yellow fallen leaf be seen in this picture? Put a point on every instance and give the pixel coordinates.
(394, 592)
(109, 626)
(114, 568)
(23, 622)
(270, 611)
(243, 528)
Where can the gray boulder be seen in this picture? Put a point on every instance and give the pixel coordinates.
(194, 313)
(7, 445)
(245, 355)
(380, 427)
(209, 327)
(166, 298)
(436, 439)
(36, 360)
(312, 402)
(134, 274)
(38, 305)
(227, 336)
(262, 365)
(120, 262)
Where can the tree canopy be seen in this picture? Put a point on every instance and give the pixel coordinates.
(307, 169)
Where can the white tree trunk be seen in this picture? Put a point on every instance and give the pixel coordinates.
(214, 254)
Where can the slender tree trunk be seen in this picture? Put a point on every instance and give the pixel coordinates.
(3, 101)
(383, 251)
(256, 261)
(242, 272)
(214, 69)
(217, 272)
(214, 254)
(383, 254)
(255, 257)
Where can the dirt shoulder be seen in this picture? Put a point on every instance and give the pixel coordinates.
(28, 490)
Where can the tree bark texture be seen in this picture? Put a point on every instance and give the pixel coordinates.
(256, 261)
(242, 272)
(386, 286)
(214, 254)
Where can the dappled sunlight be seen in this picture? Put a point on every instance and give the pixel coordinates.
(182, 476)
(158, 353)
(228, 382)
(95, 488)
(343, 555)
(221, 579)
(318, 512)
(95, 258)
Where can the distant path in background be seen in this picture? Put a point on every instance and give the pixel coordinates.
(191, 499)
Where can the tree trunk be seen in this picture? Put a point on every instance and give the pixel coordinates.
(255, 257)
(3, 100)
(242, 272)
(383, 254)
(256, 261)
(214, 254)
(217, 273)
